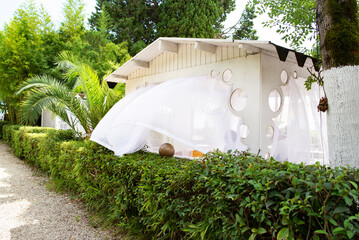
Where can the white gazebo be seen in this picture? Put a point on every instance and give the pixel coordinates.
(256, 86)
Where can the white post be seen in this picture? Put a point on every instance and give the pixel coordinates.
(342, 88)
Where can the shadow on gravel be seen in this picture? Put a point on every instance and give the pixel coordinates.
(29, 211)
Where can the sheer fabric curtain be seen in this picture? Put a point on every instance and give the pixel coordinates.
(191, 113)
(300, 133)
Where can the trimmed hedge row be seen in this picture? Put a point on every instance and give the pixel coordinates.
(225, 196)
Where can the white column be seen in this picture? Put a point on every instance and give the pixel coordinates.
(342, 88)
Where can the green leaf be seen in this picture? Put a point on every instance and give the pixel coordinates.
(340, 209)
(321, 232)
(332, 221)
(350, 234)
(261, 231)
(338, 230)
(354, 184)
(253, 236)
(283, 234)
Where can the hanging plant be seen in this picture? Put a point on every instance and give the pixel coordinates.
(317, 78)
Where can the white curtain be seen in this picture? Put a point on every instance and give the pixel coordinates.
(300, 133)
(191, 113)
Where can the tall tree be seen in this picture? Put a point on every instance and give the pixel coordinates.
(80, 95)
(91, 47)
(73, 25)
(246, 26)
(25, 50)
(339, 37)
(138, 21)
(294, 19)
(130, 21)
(197, 18)
(339, 32)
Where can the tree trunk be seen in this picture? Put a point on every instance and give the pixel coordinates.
(342, 88)
(339, 40)
(324, 22)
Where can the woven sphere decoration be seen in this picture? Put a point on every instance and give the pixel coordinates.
(166, 150)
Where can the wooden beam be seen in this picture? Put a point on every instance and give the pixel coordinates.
(206, 47)
(119, 76)
(167, 46)
(249, 48)
(141, 64)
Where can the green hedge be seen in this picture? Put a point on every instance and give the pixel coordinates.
(223, 196)
(2, 123)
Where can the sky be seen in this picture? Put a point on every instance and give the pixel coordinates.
(55, 9)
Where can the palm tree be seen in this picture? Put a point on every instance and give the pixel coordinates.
(81, 95)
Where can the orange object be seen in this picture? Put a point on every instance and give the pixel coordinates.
(197, 154)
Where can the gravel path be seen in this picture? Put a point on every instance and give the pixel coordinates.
(30, 211)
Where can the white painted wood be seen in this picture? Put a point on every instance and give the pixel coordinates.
(189, 56)
(230, 52)
(206, 47)
(193, 56)
(208, 57)
(184, 56)
(203, 57)
(235, 52)
(175, 62)
(180, 57)
(249, 48)
(141, 64)
(342, 88)
(219, 54)
(224, 53)
(167, 46)
(198, 57)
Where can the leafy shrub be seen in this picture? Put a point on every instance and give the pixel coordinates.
(17, 135)
(31, 149)
(8, 133)
(2, 123)
(224, 196)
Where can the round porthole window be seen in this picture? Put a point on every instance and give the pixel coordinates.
(269, 132)
(213, 73)
(274, 100)
(284, 76)
(295, 75)
(238, 99)
(227, 75)
(244, 131)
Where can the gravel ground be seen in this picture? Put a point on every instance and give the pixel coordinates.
(30, 211)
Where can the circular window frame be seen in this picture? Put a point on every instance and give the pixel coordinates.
(275, 108)
(244, 131)
(269, 132)
(284, 77)
(227, 75)
(245, 100)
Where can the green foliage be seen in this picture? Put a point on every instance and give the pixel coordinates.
(30, 42)
(224, 196)
(26, 48)
(2, 124)
(73, 26)
(342, 39)
(197, 19)
(82, 95)
(295, 19)
(101, 54)
(130, 21)
(245, 31)
(135, 21)
(314, 78)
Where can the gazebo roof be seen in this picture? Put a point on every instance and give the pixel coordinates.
(170, 44)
